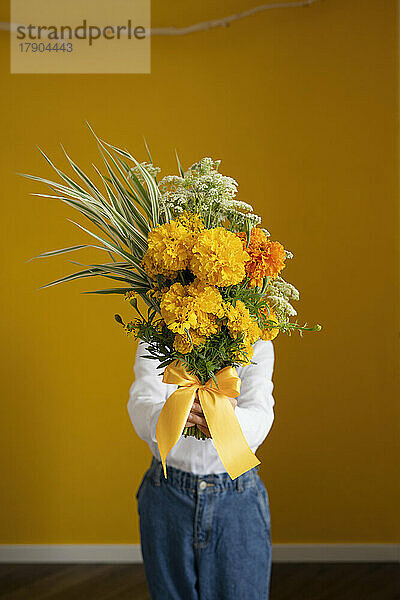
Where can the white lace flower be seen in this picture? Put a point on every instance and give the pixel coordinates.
(203, 190)
(279, 294)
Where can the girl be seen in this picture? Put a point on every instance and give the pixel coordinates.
(203, 535)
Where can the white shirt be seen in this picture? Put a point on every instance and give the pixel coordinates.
(254, 409)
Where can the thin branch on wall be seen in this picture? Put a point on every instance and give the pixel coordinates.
(226, 21)
(207, 25)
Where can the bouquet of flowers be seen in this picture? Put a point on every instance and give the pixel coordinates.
(201, 274)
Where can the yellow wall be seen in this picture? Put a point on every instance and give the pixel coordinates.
(301, 105)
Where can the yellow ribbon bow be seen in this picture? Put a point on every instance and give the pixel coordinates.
(230, 443)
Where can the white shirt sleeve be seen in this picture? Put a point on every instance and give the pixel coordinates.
(254, 409)
(147, 395)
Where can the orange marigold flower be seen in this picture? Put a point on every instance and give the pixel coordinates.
(267, 259)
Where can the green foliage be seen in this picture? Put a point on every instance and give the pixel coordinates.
(252, 297)
(219, 351)
(290, 328)
(124, 211)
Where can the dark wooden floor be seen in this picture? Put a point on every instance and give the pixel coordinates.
(127, 582)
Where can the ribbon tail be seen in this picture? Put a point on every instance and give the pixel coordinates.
(230, 443)
(172, 420)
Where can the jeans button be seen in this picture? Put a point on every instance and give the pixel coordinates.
(202, 485)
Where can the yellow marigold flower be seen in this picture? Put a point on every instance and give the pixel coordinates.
(218, 257)
(182, 344)
(207, 325)
(267, 259)
(169, 249)
(240, 322)
(208, 298)
(178, 309)
(270, 332)
(195, 308)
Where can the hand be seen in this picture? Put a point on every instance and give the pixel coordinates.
(196, 416)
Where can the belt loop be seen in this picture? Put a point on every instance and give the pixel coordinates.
(239, 484)
(158, 473)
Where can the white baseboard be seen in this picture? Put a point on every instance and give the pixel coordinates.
(131, 553)
(336, 553)
(70, 553)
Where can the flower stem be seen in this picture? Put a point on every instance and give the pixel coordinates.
(193, 431)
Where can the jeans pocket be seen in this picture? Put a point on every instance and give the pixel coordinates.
(141, 486)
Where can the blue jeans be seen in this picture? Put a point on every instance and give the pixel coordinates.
(204, 537)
